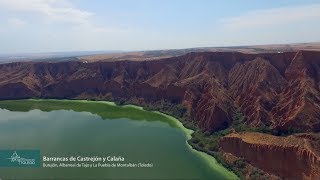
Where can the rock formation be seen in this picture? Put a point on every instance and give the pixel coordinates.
(293, 157)
(277, 90)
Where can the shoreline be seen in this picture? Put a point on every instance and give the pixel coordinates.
(208, 159)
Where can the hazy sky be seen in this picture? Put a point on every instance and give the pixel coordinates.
(75, 25)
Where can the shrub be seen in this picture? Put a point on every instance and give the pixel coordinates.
(195, 140)
(207, 134)
(240, 163)
(213, 147)
(257, 175)
(201, 144)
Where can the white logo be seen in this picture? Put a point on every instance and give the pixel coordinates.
(16, 158)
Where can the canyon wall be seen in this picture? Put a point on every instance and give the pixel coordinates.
(278, 90)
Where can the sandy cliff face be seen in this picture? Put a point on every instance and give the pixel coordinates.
(292, 157)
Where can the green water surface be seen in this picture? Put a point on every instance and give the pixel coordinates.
(92, 128)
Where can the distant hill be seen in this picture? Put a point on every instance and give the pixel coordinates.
(55, 56)
(159, 54)
(92, 56)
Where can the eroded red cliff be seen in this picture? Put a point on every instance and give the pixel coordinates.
(293, 157)
(277, 90)
(280, 90)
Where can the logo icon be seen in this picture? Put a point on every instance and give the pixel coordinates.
(19, 158)
(16, 158)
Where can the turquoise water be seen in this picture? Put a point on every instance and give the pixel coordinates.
(147, 137)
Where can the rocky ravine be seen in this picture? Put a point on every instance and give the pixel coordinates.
(279, 90)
